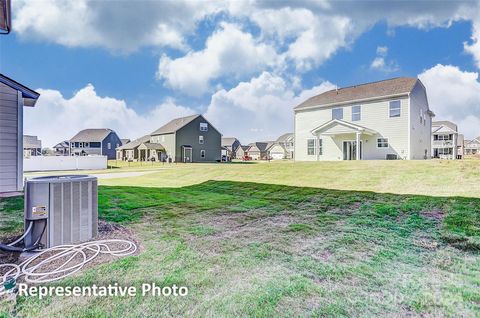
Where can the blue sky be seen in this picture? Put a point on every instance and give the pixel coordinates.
(245, 65)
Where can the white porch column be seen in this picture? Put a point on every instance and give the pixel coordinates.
(359, 134)
(454, 152)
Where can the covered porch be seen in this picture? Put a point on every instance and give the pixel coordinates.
(340, 140)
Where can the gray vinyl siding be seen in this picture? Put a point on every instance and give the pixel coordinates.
(188, 135)
(10, 162)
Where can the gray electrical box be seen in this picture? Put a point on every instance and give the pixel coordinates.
(68, 205)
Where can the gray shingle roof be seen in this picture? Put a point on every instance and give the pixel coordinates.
(135, 143)
(284, 137)
(228, 141)
(31, 142)
(91, 135)
(174, 125)
(63, 144)
(393, 86)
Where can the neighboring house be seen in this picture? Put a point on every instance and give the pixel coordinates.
(287, 142)
(258, 150)
(230, 145)
(125, 141)
(389, 119)
(102, 141)
(241, 152)
(472, 147)
(32, 146)
(461, 146)
(276, 151)
(186, 139)
(13, 97)
(445, 141)
(62, 148)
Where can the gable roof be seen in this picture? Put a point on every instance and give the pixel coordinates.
(174, 125)
(285, 137)
(228, 141)
(375, 90)
(445, 123)
(91, 135)
(135, 143)
(63, 144)
(29, 95)
(125, 141)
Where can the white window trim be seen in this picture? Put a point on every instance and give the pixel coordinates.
(314, 146)
(203, 126)
(204, 153)
(341, 108)
(390, 109)
(385, 140)
(201, 140)
(359, 112)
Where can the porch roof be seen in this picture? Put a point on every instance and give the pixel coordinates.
(339, 127)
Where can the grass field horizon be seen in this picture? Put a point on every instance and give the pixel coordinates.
(286, 239)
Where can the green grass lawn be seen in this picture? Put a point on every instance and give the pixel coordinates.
(283, 239)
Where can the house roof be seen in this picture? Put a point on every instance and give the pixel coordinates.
(374, 90)
(228, 141)
(31, 142)
(125, 141)
(327, 127)
(63, 144)
(153, 146)
(445, 123)
(135, 143)
(29, 95)
(174, 125)
(260, 145)
(91, 135)
(285, 137)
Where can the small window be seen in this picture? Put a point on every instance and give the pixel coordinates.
(310, 147)
(203, 127)
(86, 145)
(202, 153)
(320, 147)
(200, 140)
(421, 116)
(395, 108)
(337, 113)
(382, 142)
(118, 145)
(356, 113)
(109, 145)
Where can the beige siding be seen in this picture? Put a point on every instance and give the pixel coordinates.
(167, 141)
(9, 168)
(420, 133)
(374, 115)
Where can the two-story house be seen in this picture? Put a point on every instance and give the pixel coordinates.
(185, 139)
(389, 119)
(472, 147)
(32, 146)
(445, 140)
(230, 145)
(287, 142)
(102, 142)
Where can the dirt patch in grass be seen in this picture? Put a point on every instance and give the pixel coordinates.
(435, 214)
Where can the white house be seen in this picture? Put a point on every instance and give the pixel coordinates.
(389, 119)
(446, 142)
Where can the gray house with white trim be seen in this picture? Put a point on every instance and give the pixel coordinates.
(13, 97)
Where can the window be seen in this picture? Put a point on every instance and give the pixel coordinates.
(203, 127)
(109, 146)
(200, 140)
(356, 113)
(118, 145)
(337, 113)
(310, 147)
(395, 108)
(382, 142)
(320, 147)
(421, 116)
(202, 153)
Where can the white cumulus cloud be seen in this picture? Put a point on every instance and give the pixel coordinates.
(56, 118)
(454, 95)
